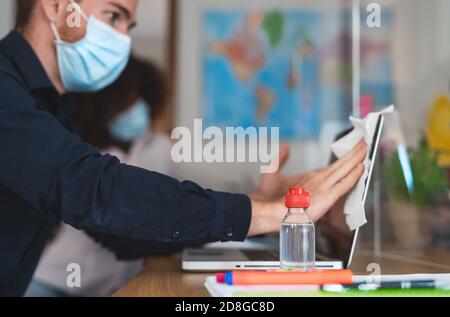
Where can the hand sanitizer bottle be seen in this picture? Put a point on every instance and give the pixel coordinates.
(297, 236)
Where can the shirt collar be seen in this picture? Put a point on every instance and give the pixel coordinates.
(21, 54)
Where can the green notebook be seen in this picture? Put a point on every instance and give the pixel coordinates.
(392, 293)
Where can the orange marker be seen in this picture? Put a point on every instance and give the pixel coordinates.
(289, 278)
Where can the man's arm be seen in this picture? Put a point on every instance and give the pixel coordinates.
(126, 248)
(62, 177)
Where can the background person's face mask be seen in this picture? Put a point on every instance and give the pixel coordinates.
(131, 124)
(95, 61)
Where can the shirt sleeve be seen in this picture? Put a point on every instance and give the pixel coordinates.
(126, 249)
(62, 177)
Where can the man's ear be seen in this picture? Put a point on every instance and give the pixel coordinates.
(52, 8)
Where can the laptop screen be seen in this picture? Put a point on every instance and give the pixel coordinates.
(334, 239)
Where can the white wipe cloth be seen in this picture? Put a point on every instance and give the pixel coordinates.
(354, 210)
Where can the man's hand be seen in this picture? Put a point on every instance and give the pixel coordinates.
(326, 187)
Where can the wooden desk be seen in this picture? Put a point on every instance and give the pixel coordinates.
(162, 276)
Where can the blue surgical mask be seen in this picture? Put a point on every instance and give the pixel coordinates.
(131, 124)
(95, 61)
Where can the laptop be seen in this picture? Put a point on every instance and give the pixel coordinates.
(335, 242)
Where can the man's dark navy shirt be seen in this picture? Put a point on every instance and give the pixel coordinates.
(48, 175)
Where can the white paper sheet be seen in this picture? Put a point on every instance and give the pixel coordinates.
(354, 210)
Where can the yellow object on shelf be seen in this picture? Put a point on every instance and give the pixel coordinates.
(438, 130)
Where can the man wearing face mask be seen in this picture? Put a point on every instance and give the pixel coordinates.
(47, 174)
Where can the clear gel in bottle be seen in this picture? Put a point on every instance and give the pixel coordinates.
(297, 236)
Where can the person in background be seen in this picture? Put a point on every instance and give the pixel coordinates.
(118, 120)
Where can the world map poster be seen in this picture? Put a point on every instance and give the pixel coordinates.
(262, 68)
(290, 69)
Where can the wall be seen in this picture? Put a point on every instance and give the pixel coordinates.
(6, 16)
(422, 59)
(150, 36)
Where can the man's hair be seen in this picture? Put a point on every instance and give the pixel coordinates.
(24, 9)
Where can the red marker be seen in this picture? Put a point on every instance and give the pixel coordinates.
(287, 277)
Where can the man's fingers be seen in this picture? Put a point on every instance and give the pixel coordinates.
(348, 182)
(347, 165)
(325, 199)
(336, 165)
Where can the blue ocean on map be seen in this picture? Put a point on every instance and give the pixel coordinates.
(262, 69)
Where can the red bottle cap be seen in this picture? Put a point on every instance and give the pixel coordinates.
(297, 198)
